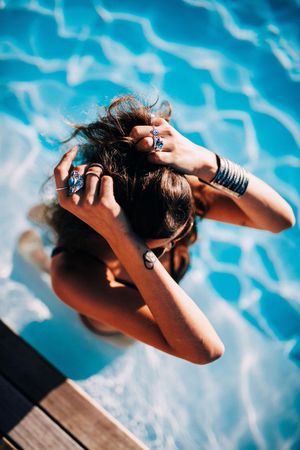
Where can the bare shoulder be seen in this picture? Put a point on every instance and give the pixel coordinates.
(68, 269)
(89, 288)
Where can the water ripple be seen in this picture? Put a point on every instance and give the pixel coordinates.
(231, 72)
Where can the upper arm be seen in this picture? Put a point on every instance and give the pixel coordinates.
(222, 207)
(85, 286)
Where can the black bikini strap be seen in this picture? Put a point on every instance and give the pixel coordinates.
(60, 249)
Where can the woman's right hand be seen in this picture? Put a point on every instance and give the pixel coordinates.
(95, 203)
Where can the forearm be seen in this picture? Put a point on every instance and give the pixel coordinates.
(265, 208)
(183, 324)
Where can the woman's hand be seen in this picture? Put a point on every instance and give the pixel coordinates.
(178, 151)
(95, 203)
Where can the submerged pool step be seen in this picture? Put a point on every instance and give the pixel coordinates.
(40, 406)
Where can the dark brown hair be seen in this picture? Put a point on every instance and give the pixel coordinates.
(156, 199)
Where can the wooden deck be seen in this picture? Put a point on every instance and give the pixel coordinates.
(41, 409)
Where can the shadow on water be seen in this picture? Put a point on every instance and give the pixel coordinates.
(62, 338)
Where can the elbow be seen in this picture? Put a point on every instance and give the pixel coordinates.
(210, 356)
(215, 353)
(54, 283)
(285, 223)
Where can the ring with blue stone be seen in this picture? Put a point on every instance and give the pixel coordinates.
(155, 131)
(75, 182)
(158, 144)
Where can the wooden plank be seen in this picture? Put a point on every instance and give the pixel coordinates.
(25, 367)
(27, 424)
(91, 424)
(60, 398)
(6, 444)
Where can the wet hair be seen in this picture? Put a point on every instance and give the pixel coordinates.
(156, 199)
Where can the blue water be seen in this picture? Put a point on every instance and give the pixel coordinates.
(231, 71)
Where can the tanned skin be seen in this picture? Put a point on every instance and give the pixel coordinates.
(160, 313)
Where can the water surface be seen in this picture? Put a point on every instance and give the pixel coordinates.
(231, 71)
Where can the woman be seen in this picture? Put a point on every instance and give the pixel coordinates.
(126, 217)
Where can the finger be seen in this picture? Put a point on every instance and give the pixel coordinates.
(145, 144)
(61, 171)
(77, 196)
(106, 192)
(82, 168)
(140, 131)
(63, 194)
(158, 121)
(92, 183)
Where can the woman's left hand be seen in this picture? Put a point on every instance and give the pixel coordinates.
(177, 151)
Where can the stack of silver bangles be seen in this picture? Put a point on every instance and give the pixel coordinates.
(230, 177)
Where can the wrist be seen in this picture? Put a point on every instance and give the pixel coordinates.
(208, 165)
(230, 177)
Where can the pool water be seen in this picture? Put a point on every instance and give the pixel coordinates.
(231, 71)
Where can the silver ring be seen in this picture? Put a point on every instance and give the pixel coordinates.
(158, 143)
(154, 131)
(96, 165)
(90, 172)
(62, 188)
(75, 182)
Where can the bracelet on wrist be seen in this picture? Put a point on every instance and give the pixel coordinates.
(230, 177)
